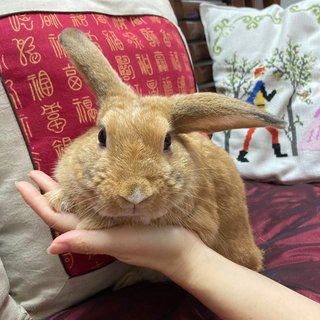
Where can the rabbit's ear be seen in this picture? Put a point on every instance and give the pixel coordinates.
(90, 61)
(212, 112)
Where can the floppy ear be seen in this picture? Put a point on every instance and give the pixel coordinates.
(90, 61)
(211, 112)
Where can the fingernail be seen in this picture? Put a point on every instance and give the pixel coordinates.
(58, 248)
(18, 185)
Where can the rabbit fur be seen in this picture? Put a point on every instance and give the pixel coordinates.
(133, 180)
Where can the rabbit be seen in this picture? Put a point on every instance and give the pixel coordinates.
(145, 162)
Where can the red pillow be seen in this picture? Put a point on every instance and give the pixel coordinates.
(53, 104)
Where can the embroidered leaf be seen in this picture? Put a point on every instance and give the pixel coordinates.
(315, 9)
(225, 27)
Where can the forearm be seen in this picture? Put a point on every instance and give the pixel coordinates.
(234, 292)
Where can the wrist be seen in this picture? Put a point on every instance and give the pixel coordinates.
(185, 269)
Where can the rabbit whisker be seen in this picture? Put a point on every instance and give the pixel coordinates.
(82, 202)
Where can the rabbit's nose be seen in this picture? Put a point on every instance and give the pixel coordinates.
(136, 196)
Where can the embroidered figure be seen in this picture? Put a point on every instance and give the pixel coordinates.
(258, 97)
(311, 138)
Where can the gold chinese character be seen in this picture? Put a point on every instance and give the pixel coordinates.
(56, 123)
(181, 82)
(86, 112)
(60, 144)
(26, 127)
(68, 260)
(26, 49)
(13, 94)
(57, 47)
(186, 61)
(19, 21)
(74, 81)
(175, 61)
(3, 64)
(160, 61)
(155, 19)
(133, 39)
(119, 23)
(167, 86)
(99, 18)
(144, 64)
(94, 39)
(79, 20)
(50, 20)
(137, 21)
(114, 42)
(137, 88)
(153, 87)
(36, 159)
(40, 85)
(150, 37)
(166, 38)
(125, 68)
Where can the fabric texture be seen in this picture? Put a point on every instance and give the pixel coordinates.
(44, 103)
(270, 58)
(8, 307)
(286, 224)
(156, 301)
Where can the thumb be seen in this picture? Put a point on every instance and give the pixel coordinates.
(123, 242)
(84, 242)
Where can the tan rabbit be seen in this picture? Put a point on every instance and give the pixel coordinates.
(145, 163)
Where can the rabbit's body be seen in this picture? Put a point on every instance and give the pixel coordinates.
(202, 192)
(144, 163)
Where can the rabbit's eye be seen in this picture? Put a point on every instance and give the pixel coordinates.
(167, 142)
(102, 137)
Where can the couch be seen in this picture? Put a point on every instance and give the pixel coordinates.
(37, 122)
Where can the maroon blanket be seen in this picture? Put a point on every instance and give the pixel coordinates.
(286, 220)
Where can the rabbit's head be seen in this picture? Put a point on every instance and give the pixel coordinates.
(137, 160)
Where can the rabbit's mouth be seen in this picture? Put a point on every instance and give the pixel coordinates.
(135, 213)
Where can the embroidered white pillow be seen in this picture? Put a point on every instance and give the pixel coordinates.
(270, 58)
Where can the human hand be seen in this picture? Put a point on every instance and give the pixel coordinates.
(166, 249)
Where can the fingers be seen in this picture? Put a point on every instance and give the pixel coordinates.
(61, 222)
(45, 182)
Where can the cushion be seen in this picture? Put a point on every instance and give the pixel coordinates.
(45, 104)
(270, 58)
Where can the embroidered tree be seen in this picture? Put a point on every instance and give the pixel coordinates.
(238, 83)
(296, 67)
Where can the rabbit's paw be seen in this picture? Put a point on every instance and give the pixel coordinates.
(136, 275)
(56, 201)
